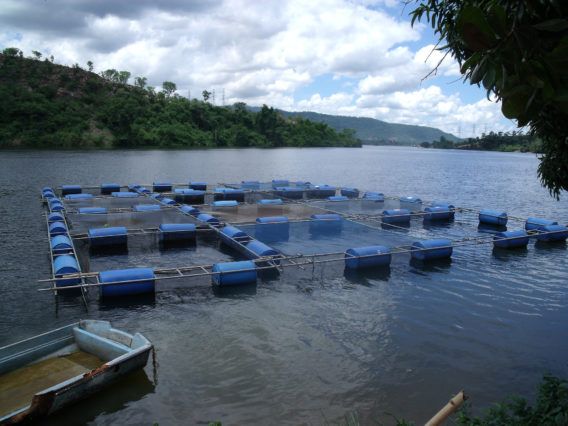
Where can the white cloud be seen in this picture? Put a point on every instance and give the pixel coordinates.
(259, 52)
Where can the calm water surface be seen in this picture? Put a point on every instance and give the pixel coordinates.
(311, 345)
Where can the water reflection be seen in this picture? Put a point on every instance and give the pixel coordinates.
(111, 399)
(362, 276)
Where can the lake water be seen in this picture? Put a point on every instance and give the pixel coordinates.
(311, 345)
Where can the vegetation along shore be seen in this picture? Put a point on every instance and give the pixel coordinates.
(49, 106)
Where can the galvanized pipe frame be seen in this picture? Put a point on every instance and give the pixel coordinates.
(297, 260)
(293, 260)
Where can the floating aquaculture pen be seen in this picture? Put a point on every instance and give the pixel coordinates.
(273, 225)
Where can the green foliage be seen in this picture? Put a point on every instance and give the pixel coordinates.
(12, 52)
(169, 88)
(43, 105)
(492, 142)
(550, 408)
(518, 50)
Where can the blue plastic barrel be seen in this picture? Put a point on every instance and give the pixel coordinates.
(303, 183)
(109, 188)
(65, 264)
(279, 183)
(177, 231)
(558, 233)
(396, 216)
(168, 201)
(162, 186)
(534, 223)
(143, 282)
(189, 210)
(124, 194)
(326, 216)
(55, 217)
(338, 198)
(157, 196)
(439, 248)
(201, 186)
(275, 201)
(56, 207)
(91, 210)
(48, 194)
(373, 195)
(438, 204)
(107, 236)
(437, 213)
(78, 196)
(146, 207)
(367, 257)
(410, 200)
(225, 203)
(257, 249)
(54, 200)
(250, 184)
(46, 189)
(231, 235)
(291, 192)
(325, 224)
(320, 191)
(272, 219)
(234, 273)
(520, 238)
(71, 189)
(56, 228)
(133, 187)
(204, 217)
(191, 196)
(347, 191)
(491, 217)
(61, 242)
(450, 207)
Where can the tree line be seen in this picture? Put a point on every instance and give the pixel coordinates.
(46, 105)
(492, 141)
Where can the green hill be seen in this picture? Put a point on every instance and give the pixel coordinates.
(372, 131)
(45, 105)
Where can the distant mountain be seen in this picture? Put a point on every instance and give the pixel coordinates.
(371, 131)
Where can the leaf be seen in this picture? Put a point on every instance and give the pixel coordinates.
(514, 105)
(475, 29)
(474, 37)
(553, 25)
(489, 78)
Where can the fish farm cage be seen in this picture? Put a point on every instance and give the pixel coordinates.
(124, 239)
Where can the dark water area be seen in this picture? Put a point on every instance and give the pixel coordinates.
(308, 345)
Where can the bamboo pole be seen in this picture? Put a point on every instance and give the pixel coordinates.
(449, 409)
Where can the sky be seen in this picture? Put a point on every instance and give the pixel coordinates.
(343, 57)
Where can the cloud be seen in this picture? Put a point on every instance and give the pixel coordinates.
(258, 52)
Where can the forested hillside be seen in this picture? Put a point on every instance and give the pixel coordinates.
(373, 132)
(45, 105)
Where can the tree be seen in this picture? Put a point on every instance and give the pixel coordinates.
(90, 65)
(518, 50)
(36, 54)
(110, 74)
(206, 95)
(168, 87)
(240, 106)
(140, 82)
(123, 77)
(12, 51)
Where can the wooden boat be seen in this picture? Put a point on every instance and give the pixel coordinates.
(45, 373)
